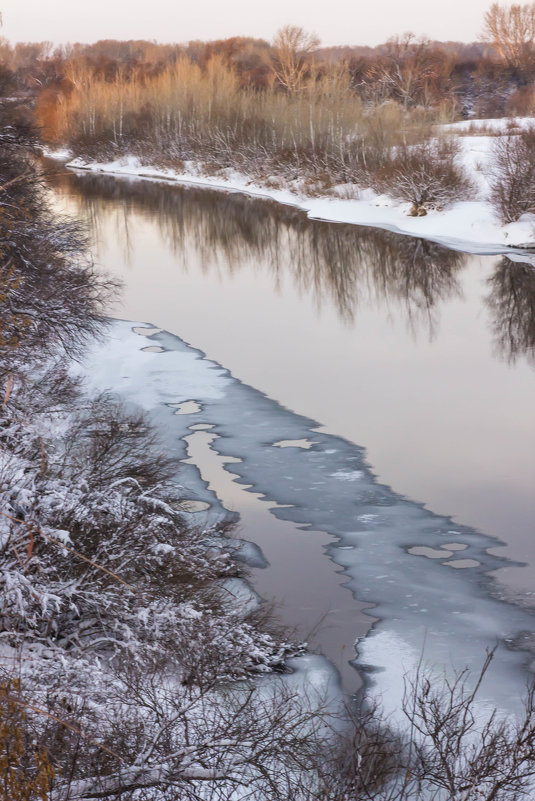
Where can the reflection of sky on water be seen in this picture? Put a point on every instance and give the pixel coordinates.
(414, 351)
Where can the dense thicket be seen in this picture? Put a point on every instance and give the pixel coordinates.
(39, 253)
(314, 131)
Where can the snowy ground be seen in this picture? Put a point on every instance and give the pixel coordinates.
(426, 577)
(470, 226)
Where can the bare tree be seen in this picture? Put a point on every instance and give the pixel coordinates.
(426, 174)
(512, 31)
(407, 69)
(293, 47)
(513, 175)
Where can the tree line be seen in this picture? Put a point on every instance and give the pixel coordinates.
(491, 77)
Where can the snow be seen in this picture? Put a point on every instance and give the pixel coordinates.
(63, 154)
(467, 225)
(240, 598)
(170, 377)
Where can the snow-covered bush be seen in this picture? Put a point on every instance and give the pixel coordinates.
(513, 175)
(110, 566)
(113, 612)
(427, 175)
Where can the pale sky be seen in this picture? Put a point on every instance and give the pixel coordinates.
(335, 21)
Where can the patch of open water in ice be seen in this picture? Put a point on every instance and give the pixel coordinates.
(146, 331)
(186, 407)
(294, 443)
(462, 563)
(308, 595)
(430, 553)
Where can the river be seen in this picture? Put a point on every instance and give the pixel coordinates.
(420, 355)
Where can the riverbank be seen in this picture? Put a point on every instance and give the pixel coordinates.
(471, 226)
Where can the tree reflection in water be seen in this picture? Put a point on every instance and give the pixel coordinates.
(335, 263)
(512, 304)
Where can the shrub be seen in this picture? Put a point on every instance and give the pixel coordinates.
(425, 174)
(513, 175)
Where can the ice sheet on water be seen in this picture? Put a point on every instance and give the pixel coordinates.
(330, 487)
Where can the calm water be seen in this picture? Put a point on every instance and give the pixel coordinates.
(424, 356)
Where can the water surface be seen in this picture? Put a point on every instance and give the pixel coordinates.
(424, 356)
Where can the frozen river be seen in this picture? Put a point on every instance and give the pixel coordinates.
(337, 339)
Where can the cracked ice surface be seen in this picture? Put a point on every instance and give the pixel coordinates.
(422, 603)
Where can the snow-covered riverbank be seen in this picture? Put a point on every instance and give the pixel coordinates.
(471, 226)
